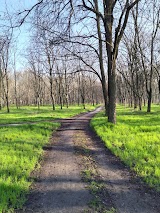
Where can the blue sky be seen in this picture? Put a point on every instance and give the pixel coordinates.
(22, 34)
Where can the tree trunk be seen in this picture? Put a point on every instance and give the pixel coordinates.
(7, 103)
(135, 100)
(83, 102)
(149, 93)
(103, 77)
(6, 91)
(108, 25)
(140, 103)
(51, 93)
(111, 91)
(105, 96)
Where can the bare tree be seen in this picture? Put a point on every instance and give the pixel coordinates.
(148, 63)
(104, 17)
(4, 69)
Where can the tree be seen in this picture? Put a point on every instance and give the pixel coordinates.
(4, 60)
(148, 69)
(104, 13)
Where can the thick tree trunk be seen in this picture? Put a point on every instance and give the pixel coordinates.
(111, 91)
(105, 95)
(108, 25)
(83, 101)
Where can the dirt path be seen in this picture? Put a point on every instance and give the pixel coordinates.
(59, 189)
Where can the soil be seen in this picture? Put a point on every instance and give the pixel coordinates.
(60, 186)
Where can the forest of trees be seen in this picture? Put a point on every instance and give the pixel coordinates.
(85, 51)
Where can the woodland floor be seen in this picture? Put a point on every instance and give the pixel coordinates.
(78, 174)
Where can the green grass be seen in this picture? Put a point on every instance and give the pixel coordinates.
(21, 149)
(32, 114)
(135, 139)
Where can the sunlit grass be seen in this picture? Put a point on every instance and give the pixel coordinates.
(31, 113)
(21, 149)
(135, 139)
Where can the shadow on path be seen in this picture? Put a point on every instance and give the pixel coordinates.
(59, 188)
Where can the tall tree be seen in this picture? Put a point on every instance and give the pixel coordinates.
(110, 26)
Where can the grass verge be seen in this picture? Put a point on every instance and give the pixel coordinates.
(21, 150)
(135, 139)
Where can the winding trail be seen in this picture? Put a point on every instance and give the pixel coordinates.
(59, 188)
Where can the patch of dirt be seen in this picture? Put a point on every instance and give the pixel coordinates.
(75, 152)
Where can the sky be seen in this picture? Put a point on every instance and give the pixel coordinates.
(21, 34)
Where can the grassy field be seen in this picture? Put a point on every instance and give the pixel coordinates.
(32, 114)
(22, 149)
(135, 139)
